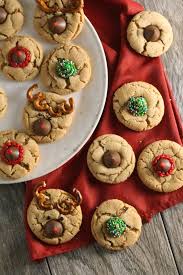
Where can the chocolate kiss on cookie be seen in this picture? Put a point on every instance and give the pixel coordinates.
(12, 153)
(57, 24)
(3, 15)
(53, 229)
(18, 56)
(41, 127)
(111, 159)
(152, 33)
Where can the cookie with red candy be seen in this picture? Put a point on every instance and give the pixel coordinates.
(21, 58)
(160, 166)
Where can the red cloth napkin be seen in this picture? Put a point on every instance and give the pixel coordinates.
(110, 18)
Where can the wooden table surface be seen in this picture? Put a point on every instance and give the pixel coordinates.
(160, 249)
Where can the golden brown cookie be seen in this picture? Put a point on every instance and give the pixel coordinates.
(116, 225)
(3, 103)
(58, 26)
(66, 69)
(11, 18)
(138, 105)
(49, 118)
(150, 34)
(21, 58)
(19, 154)
(54, 216)
(111, 159)
(160, 166)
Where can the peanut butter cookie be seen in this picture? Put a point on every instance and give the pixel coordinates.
(138, 105)
(11, 18)
(3, 103)
(21, 58)
(66, 69)
(111, 159)
(160, 166)
(55, 24)
(150, 34)
(48, 121)
(116, 225)
(19, 154)
(54, 216)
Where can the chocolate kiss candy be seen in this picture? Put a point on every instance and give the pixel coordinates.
(12, 153)
(41, 127)
(18, 56)
(163, 165)
(111, 159)
(57, 24)
(3, 15)
(152, 33)
(53, 229)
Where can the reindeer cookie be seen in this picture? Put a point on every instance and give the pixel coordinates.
(54, 216)
(47, 116)
(57, 21)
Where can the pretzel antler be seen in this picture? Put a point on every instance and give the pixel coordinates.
(67, 206)
(43, 200)
(40, 104)
(73, 6)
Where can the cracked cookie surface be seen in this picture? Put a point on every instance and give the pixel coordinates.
(116, 208)
(147, 174)
(137, 40)
(12, 18)
(95, 159)
(59, 125)
(32, 69)
(37, 218)
(30, 159)
(74, 23)
(154, 101)
(74, 83)
(3, 103)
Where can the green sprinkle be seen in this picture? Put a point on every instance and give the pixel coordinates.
(115, 227)
(137, 106)
(65, 68)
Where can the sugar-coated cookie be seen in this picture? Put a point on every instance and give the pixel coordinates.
(160, 166)
(150, 34)
(57, 25)
(111, 159)
(19, 154)
(54, 216)
(66, 69)
(138, 105)
(116, 225)
(3, 103)
(21, 58)
(11, 18)
(48, 118)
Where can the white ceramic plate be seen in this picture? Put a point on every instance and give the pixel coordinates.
(89, 102)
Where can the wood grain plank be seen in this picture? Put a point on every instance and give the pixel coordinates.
(173, 221)
(14, 258)
(151, 255)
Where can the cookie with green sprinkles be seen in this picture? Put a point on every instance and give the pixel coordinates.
(138, 105)
(66, 69)
(116, 225)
